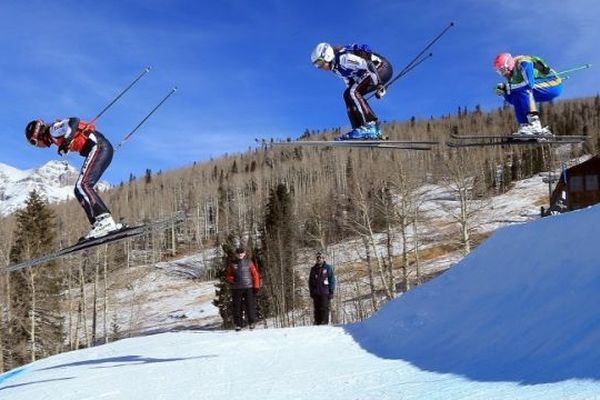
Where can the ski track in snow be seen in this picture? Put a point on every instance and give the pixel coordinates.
(295, 363)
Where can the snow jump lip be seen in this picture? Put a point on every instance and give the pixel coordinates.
(522, 308)
(7, 376)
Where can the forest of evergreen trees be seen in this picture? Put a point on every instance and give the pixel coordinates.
(277, 202)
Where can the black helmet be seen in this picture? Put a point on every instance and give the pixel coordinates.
(35, 133)
(240, 250)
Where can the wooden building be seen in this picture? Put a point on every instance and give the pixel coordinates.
(578, 187)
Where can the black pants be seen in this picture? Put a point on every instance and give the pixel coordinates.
(243, 300)
(321, 307)
(97, 159)
(359, 111)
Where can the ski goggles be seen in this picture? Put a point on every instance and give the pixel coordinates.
(36, 140)
(319, 63)
(503, 70)
(35, 133)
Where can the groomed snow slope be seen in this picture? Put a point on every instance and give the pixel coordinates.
(516, 319)
(523, 307)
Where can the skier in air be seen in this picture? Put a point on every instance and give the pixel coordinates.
(72, 134)
(529, 81)
(363, 72)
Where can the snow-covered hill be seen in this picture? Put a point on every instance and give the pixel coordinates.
(516, 319)
(54, 180)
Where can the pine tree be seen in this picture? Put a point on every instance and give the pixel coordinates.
(223, 298)
(35, 328)
(278, 253)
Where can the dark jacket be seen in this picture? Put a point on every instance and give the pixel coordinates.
(321, 281)
(242, 274)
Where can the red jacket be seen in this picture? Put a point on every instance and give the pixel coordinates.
(242, 274)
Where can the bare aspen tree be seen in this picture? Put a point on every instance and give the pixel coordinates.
(372, 289)
(95, 298)
(358, 306)
(318, 219)
(32, 314)
(362, 224)
(105, 295)
(385, 205)
(417, 241)
(460, 179)
(9, 322)
(406, 200)
(2, 328)
(71, 308)
(82, 322)
(4, 299)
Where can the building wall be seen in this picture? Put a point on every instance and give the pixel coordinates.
(582, 189)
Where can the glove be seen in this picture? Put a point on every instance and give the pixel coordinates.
(63, 145)
(501, 89)
(380, 92)
(63, 148)
(255, 291)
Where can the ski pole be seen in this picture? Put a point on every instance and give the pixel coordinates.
(416, 61)
(146, 70)
(126, 137)
(407, 70)
(574, 69)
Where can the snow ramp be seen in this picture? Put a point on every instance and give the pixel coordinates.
(523, 307)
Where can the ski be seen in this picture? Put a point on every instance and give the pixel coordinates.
(381, 144)
(122, 234)
(486, 137)
(510, 140)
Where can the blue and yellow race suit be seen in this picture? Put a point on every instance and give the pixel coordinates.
(531, 82)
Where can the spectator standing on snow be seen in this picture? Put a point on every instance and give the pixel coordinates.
(244, 278)
(321, 284)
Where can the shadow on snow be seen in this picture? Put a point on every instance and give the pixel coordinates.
(523, 307)
(123, 361)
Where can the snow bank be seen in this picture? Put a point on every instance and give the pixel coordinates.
(522, 307)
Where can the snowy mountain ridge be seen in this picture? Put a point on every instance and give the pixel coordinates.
(54, 180)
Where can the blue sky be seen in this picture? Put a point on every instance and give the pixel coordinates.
(243, 68)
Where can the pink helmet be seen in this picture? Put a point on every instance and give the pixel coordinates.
(504, 62)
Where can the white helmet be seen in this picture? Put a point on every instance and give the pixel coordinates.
(323, 52)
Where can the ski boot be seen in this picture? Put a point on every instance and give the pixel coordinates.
(373, 131)
(369, 131)
(104, 225)
(533, 127)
